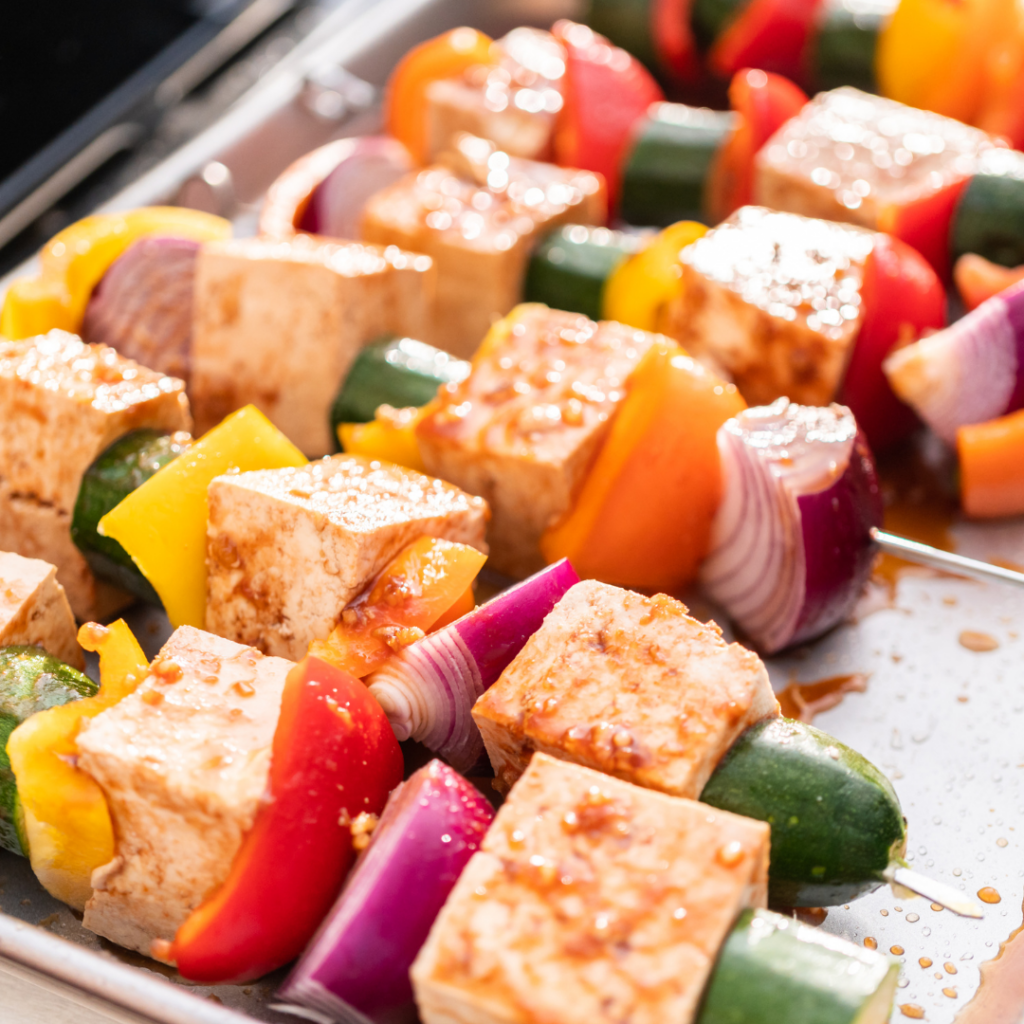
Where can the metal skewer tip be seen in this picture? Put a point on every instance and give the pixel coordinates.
(935, 558)
(937, 892)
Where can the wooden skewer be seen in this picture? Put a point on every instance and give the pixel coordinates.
(914, 551)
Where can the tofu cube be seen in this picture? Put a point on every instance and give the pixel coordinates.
(288, 549)
(773, 301)
(183, 763)
(478, 216)
(591, 901)
(62, 403)
(848, 156)
(523, 429)
(278, 324)
(628, 685)
(34, 609)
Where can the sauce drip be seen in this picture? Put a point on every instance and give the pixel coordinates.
(989, 895)
(803, 701)
(871, 943)
(912, 1010)
(980, 642)
(1000, 997)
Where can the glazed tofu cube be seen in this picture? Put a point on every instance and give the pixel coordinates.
(591, 901)
(62, 403)
(773, 301)
(478, 215)
(628, 685)
(848, 155)
(278, 324)
(34, 609)
(288, 549)
(183, 763)
(524, 427)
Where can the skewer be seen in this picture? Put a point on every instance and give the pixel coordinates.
(914, 551)
(937, 892)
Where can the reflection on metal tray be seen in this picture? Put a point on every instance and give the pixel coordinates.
(939, 713)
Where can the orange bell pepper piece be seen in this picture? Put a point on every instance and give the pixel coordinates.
(978, 279)
(423, 582)
(992, 466)
(643, 517)
(405, 101)
(390, 436)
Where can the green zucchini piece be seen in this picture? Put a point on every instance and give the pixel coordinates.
(30, 680)
(124, 466)
(846, 41)
(627, 23)
(669, 163)
(835, 818)
(774, 970)
(989, 216)
(569, 268)
(393, 371)
(710, 18)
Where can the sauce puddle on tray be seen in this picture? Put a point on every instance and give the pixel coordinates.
(803, 701)
(1000, 996)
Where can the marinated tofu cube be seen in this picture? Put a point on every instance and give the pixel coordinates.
(34, 609)
(62, 403)
(523, 429)
(591, 901)
(773, 301)
(628, 685)
(183, 763)
(512, 103)
(478, 215)
(279, 323)
(848, 156)
(288, 549)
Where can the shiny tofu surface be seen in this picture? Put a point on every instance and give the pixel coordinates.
(183, 762)
(34, 609)
(524, 427)
(478, 214)
(625, 684)
(591, 901)
(848, 155)
(278, 324)
(773, 301)
(287, 549)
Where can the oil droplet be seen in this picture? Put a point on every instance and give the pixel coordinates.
(949, 968)
(897, 950)
(937, 907)
(1001, 842)
(988, 895)
(979, 642)
(884, 912)
(871, 943)
(912, 1010)
(803, 701)
(913, 918)
(949, 993)
(730, 855)
(925, 962)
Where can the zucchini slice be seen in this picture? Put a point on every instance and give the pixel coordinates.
(569, 268)
(989, 216)
(30, 680)
(393, 371)
(123, 467)
(836, 821)
(843, 49)
(627, 23)
(774, 970)
(669, 163)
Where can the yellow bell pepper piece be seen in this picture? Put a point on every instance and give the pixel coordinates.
(162, 524)
(391, 436)
(66, 817)
(638, 290)
(73, 261)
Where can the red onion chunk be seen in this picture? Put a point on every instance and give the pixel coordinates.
(365, 165)
(970, 372)
(791, 546)
(430, 687)
(432, 825)
(142, 306)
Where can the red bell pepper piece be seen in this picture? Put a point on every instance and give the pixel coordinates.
(674, 41)
(334, 756)
(768, 34)
(764, 103)
(902, 298)
(606, 92)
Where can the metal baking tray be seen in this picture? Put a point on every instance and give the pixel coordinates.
(945, 722)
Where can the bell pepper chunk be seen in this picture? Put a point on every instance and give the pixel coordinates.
(674, 41)
(643, 517)
(992, 466)
(768, 34)
(978, 279)
(162, 524)
(66, 817)
(73, 261)
(334, 757)
(422, 583)
(638, 290)
(390, 436)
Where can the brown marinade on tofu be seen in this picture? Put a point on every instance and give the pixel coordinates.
(773, 301)
(524, 427)
(591, 901)
(628, 685)
(288, 549)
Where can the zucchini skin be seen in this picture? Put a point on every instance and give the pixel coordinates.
(836, 821)
(30, 680)
(127, 464)
(989, 220)
(628, 24)
(775, 970)
(845, 43)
